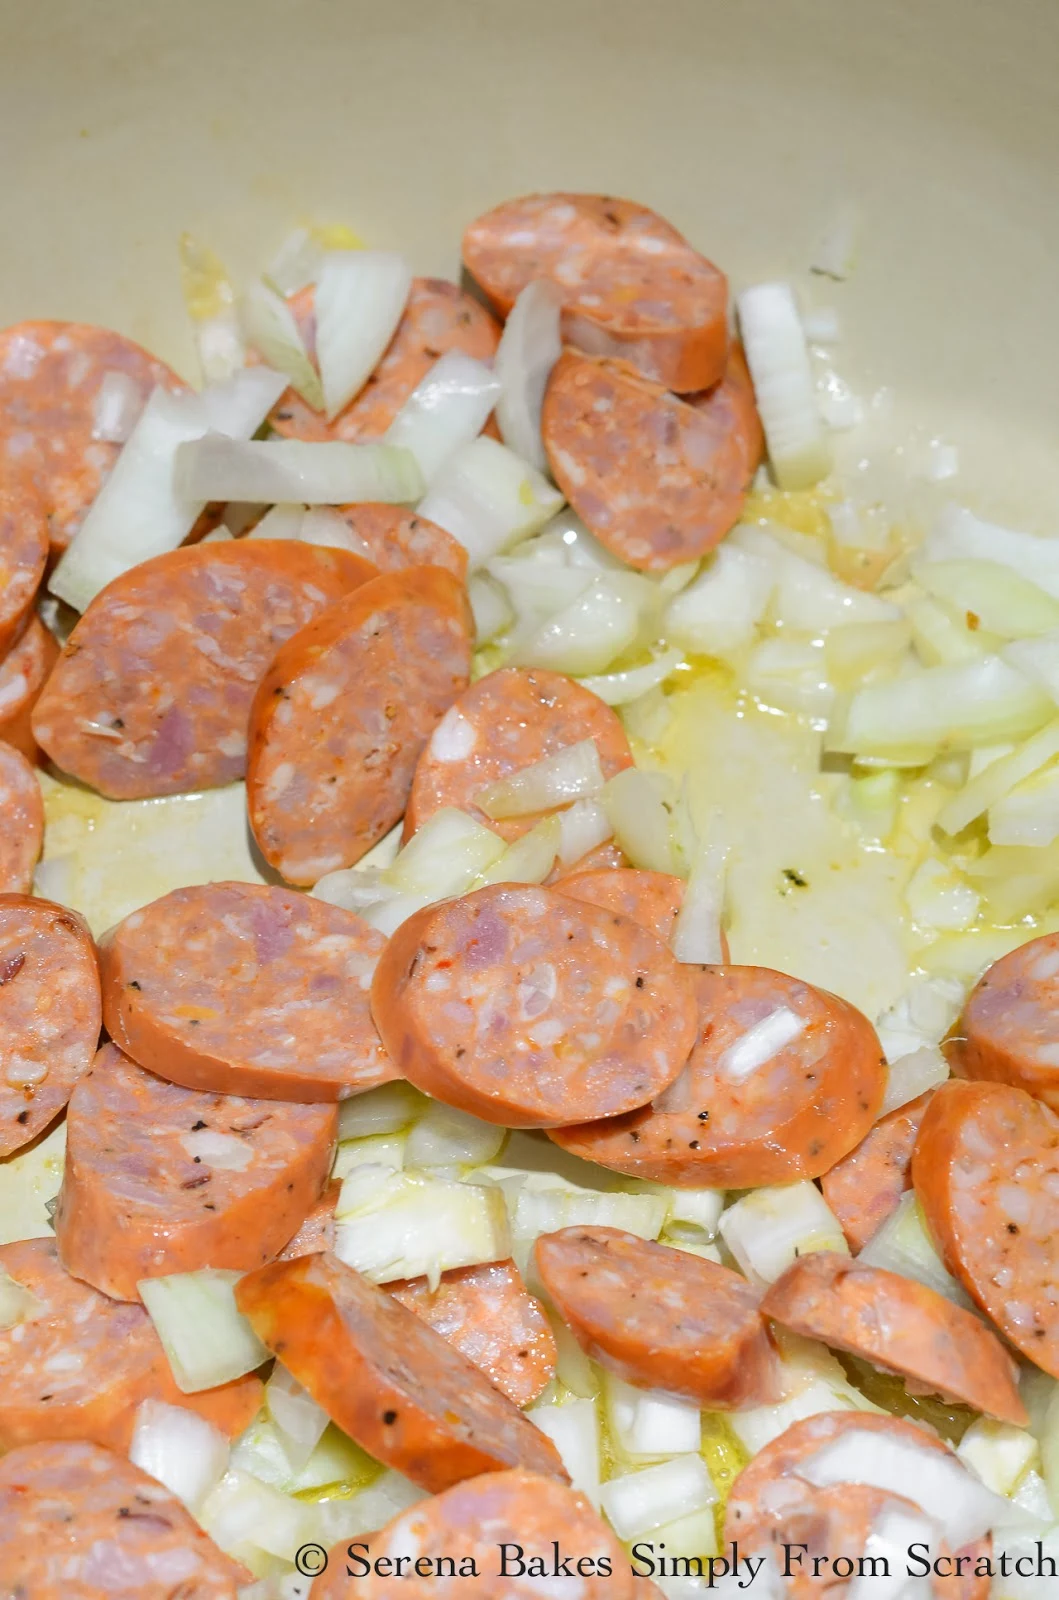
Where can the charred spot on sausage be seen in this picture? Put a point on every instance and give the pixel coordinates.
(11, 966)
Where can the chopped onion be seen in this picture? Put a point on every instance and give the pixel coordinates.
(372, 1508)
(408, 1227)
(912, 1075)
(902, 1245)
(664, 1426)
(582, 827)
(696, 936)
(573, 1428)
(387, 915)
(360, 299)
(922, 1016)
(488, 499)
(998, 1452)
(17, 1304)
(1029, 815)
(998, 779)
(959, 535)
(1003, 601)
(296, 262)
(944, 638)
(546, 1203)
(210, 301)
(272, 329)
(808, 597)
(1038, 659)
(528, 859)
(647, 718)
(884, 1575)
(619, 688)
(870, 802)
(206, 1338)
(1049, 1440)
(641, 823)
(791, 674)
(445, 1137)
(639, 1502)
(244, 1515)
(300, 1423)
(445, 856)
(529, 348)
(770, 1227)
(118, 407)
(281, 522)
(447, 409)
(573, 1369)
(180, 1449)
(760, 1044)
(271, 470)
(593, 630)
(938, 897)
(759, 1425)
(719, 611)
(572, 773)
(354, 888)
(490, 605)
(381, 1150)
(779, 364)
(855, 653)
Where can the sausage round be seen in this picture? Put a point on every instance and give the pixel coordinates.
(341, 716)
(508, 720)
(793, 1116)
(151, 694)
(23, 551)
(732, 406)
(865, 1187)
(81, 1363)
(489, 1316)
(661, 1318)
(395, 538)
(50, 1013)
(653, 899)
(986, 1171)
(1009, 1030)
(78, 1522)
(631, 285)
(604, 858)
(528, 1009)
(23, 673)
(240, 988)
(437, 318)
(21, 821)
(658, 481)
(50, 377)
(899, 1325)
(161, 1179)
(386, 1378)
(317, 1231)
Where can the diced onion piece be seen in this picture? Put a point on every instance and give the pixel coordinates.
(582, 827)
(791, 674)
(529, 348)
(573, 1369)
(808, 597)
(870, 802)
(593, 630)
(490, 606)
(696, 936)
(698, 1209)
(1029, 815)
(354, 888)
(488, 499)
(855, 653)
(367, 1511)
(360, 299)
(998, 1452)
(447, 409)
(446, 1137)
(759, 1425)
(573, 1428)
(640, 820)
(943, 638)
(206, 1338)
(618, 688)
(938, 897)
(1038, 659)
(959, 535)
(719, 611)
(545, 1204)
(922, 1016)
(760, 1044)
(664, 1426)
(912, 1075)
(778, 359)
(387, 915)
(380, 1150)
(1001, 600)
(272, 329)
(648, 717)
(296, 262)
(885, 1569)
(999, 778)
(834, 255)
(270, 470)
(280, 522)
(300, 1423)
(180, 1449)
(1049, 1441)
(117, 408)
(210, 301)
(639, 1502)
(770, 1227)
(528, 859)
(902, 1245)
(244, 1516)
(409, 1227)
(445, 856)
(572, 773)
(17, 1304)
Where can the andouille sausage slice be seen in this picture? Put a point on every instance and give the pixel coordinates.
(525, 1007)
(661, 1318)
(81, 1363)
(341, 716)
(394, 538)
(21, 821)
(657, 480)
(23, 551)
(733, 407)
(317, 1231)
(783, 1081)
(50, 1013)
(632, 286)
(986, 1173)
(770, 1506)
(605, 857)
(463, 1529)
(899, 1325)
(249, 989)
(23, 673)
(489, 1316)
(865, 1187)
(151, 694)
(78, 1522)
(1009, 1030)
(509, 720)
(160, 1179)
(437, 318)
(653, 899)
(386, 1378)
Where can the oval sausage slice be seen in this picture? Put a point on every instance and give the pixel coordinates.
(242, 988)
(50, 1013)
(23, 672)
(489, 1316)
(317, 1231)
(661, 1318)
(653, 899)
(160, 1179)
(523, 1007)
(783, 1081)
(865, 1187)
(986, 1172)
(437, 318)
(657, 480)
(78, 1522)
(395, 538)
(21, 822)
(23, 552)
(81, 1363)
(342, 714)
(1009, 1030)
(899, 1325)
(152, 692)
(733, 408)
(632, 286)
(508, 720)
(385, 1377)
(468, 1524)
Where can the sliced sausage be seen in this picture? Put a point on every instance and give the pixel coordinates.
(508, 720)
(631, 285)
(653, 899)
(78, 1522)
(1009, 1030)
(23, 550)
(771, 1506)
(865, 1187)
(241, 988)
(342, 714)
(81, 1363)
(986, 1173)
(161, 1179)
(602, 858)
(657, 480)
(747, 1109)
(899, 1325)
(23, 673)
(386, 1378)
(395, 538)
(438, 317)
(50, 377)
(50, 1013)
(317, 1232)
(661, 1318)
(152, 692)
(489, 1316)
(528, 1009)
(468, 1524)
(21, 822)
(733, 407)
